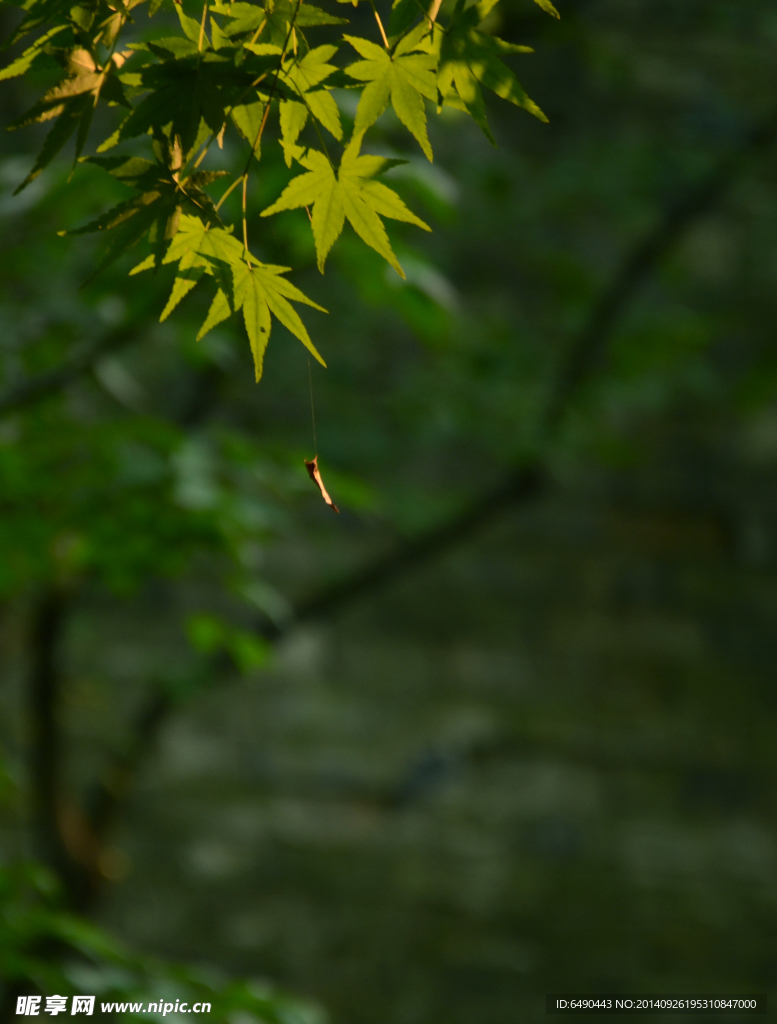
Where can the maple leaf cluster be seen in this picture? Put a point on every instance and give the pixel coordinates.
(236, 67)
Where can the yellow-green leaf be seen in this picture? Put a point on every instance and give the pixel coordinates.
(293, 117)
(547, 6)
(405, 78)
(219, 310)
(249, 296)
(350, 193)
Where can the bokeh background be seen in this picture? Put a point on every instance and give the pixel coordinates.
(494, 735)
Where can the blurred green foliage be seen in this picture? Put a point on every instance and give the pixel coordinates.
(43, 945)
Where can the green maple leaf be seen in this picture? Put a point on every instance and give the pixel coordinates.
(293, 118)
(160, 200)
(250, 17)
(219, 39)
(31, 55)
(72, 102)
(247, 118)
(38, 13)
(281, 14)
(469, 58)
(243, 17)
(188, 90)
(190, 27)
(310, 71)
(272, 21)
(350, 193)
(301, 80)
(547, 6)
(258, 289)
(302, 77)
(403, 76)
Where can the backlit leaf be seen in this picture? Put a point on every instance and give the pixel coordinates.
(469, 58)
(546, 5)
(350, 193)
(404, 77)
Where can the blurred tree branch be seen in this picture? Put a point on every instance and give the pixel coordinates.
(584, 356)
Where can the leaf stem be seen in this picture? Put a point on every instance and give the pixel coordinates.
(234, 185)
(273, 86)
(202, 155)
(202, 26)
(258, 32)
(380, 23)
(261, 126)
(245, 222)
(433, 10)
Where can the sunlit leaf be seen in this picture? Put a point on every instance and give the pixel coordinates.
(404, 77)
(348, 193)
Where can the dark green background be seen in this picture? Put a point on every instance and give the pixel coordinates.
(541, 759)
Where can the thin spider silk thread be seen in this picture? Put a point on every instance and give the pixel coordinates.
(312, 410)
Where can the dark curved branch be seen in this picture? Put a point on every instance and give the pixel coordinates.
(588, 349)
(520, 485)
(584, 357)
